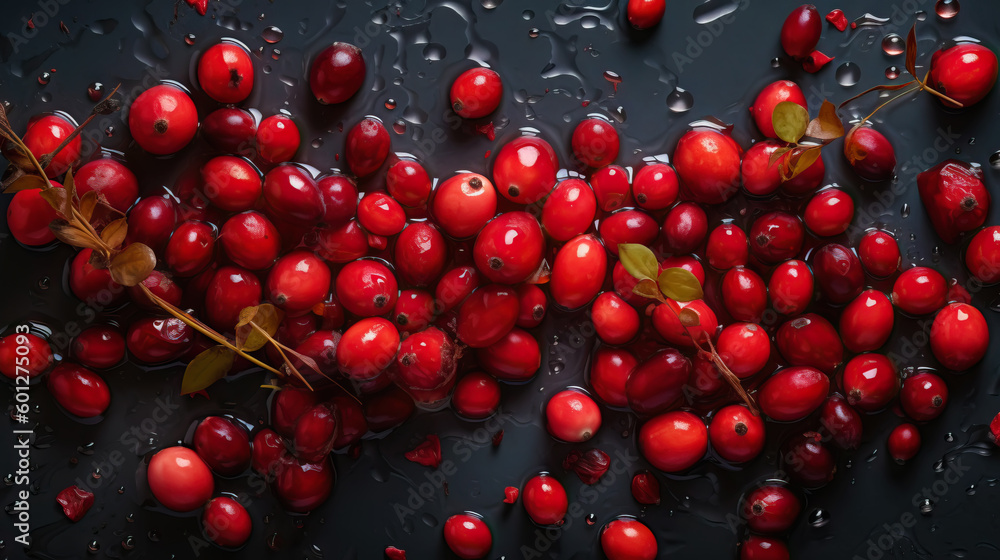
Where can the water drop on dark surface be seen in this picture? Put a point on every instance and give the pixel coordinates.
(680, 100)
(434, 52)
(946, 9)
(44, 283)
(971, 490)
(995, 160)
(109, 132)
(491, 4)
(713, 10)
(926, 506)
(893, 44)
(189, 39)
(399, 126)
(272, 34)
(848, 74)
(775, 62)
(949, 437)
(527, 14)
(533, 32)
(275, 54)
(95, 91)
(819, 517)
(591, 519)
(613, 78)
(921, 15)
(904, 212)
(892, 72)
(44, 78)
(390, 104)
(128, 543)
(93, 547)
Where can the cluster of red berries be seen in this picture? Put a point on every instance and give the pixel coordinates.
(423, 293)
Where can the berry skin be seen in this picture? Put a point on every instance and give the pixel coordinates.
(153, 340)
(230, 130)
(302, 487)
(337, 73)
(870, 154)
(231, 183)
(533, 303)
(250, 240)
(685, 228)
(487, 315)
(793, 393)
(627, 226)
(955, 198)
(461, 205)
(615, 321)
(223, 444)
(866, 322)
(110, 178)
(93, 285)
(920, 291)
(515, 357)
(801, 30)
(420, 254)
(838, 273)
(426, 361)
(904, 442)
(611, 187)
(667, 324)
(744, 294)
(367, 146)
(340, 199)
(28, 218)
(745, 348)
(164, 287)
(179, 479)
(277, 139)
(609, 373)
(476, 93)
(771, 509)
(231, 290)
(645, 14)
(408, 182)
(315, 431)
(772, 94)
(298, 281)
(829, 213)
(959, 336)
(595, 142)
(578, 272)
(879, 253)
(524, 170)
(760, 178)
(414, 311)
(572, 416)
(870, 381)
(673, 441)
(455, 286)
(190, 248)
(44, 134)
(810, 340)
(163, 119)
(808, 461)
(727, 247)
(776, 237)
(655, 187)
(367, 288)
(477, 396)
(841, 421)
(757, 547)
(736, 434)
(367, 347)
(708, 164)
(291, 195)
(982, 257)
(509, 248)
(545, 500)
(225, 73)
(964, 72)
(628, 539)
(98, 347)
(80, 391)
(151, 221)
(467, 536)
(658, 384)
(569, 210)
(226, 522)
(923, 396)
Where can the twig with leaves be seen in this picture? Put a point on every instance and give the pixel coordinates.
(791, 124)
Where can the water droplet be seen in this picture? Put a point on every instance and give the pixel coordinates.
(949, 437)
(153, 535)
(266, 69)
(93, 547)
(390, 104)
(44, 283)
(995, 160)
(893, 44)
(317, 143)
(556, 366)
(95, 91)
(946, 9)
(44, 78)
(274, 541)
(96, 475)
(591, 519)
(926, 506)
(613, 78)
(848, 74)
(921, 15)
(527, 14)
(130, 518)
(128, 543)
(971, 490)
(533, 32)
(399, 126)
(775, 62)
(275, 54)
(905, 210)
(680, 100)
(939, 466)
(109, 132)
(434, 52)
(189, 39)
(491, 4)
(892, 72)
(619, 114)
(819, 517)
(712, 10)
(272, 34)
(121, 489)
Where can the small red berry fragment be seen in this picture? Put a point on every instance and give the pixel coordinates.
(75, 502)
(428, 453)
(393, 553)
(589, 465)
(200, 5)
(497, 438)
(510, 494)
(838, 19)
(815, 61)
(995, 428)
(646, 488)
(487, 130)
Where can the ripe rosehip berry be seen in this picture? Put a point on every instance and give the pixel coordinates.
(644, 14)
(757, 547)
(866, 322)
(154, 340)
(776, 237)
(772, 94)
(340, 199)
(870, 154)
(93, 285)
(806, 182)
(302, 487)
(627, 226)
(179, 479)
(745, 348)
(737, 435)
(367, 146)
(98, 347)
(982, 257)
(426, 360)
(685, 227)
(770, 508)
(572, 416)
(611, 187)
(578, 272)
(225, 72)
(920, 291)
(151, 221)
(315, 432)
(959, 336)
(879, 253)
(461, 205)
(760, 177)
(487, 315)
(476, 93)
(904, 442)
(545, 500)
(609, 372)
(569, 210)
(163, 119)
(44, 134)
(668, 325)
(524, 170)
(337, 73)
(533, 302)
(870, 381)
(655, 186)
(420, 254)
(455, 286)
(277, 139)
(226, 522)
(164, 287)
(829, 212)
(923, 396)
(230, 130)
(673, 441)
(706, 380)
(841, 421)
(838, 273)
(467, 536)
(628, 539)
(810, 340)
(341, 244)
(250, 240)
(801, 30)
(286, 408)
(646, 488)
(955, 198)
(414, 311)
(708, 163)
(808, 461)
(793, 393)
(223, 444)
(964, 72)
(80, 391)
(744, 294)
(231, 183)
(110, 178)
(29, 216)
(658, 383)
(230, 291)
(367, 347)
(352, 421)
(791, 287)
(298, 281)
(515, 357)
(727, 247)
(477, 396)
(291, 195)
(367, 288)
(190, 248)
(408, 182)
(595, 142)
(615, 321)
(509, 248)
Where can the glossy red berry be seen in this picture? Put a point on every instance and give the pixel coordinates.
(462, 204)
(191, 248)
(610, 369)
(658, 383)
(673, 441)
(286, 408)
(615, 321)
(337, 73)
(776, 237)
(179, 479)
(250, 240)
(28, 218)
(231, 290)
(367, 288)
(870, 154)
(810, 340)
(964, 72)
(413, 311)
(225, 72)
(367, 146)
(745, 348)
(793, 393)
(923, 396)
(367, 347)
(757, 547)
(578, 272)
(340, 199)
(627, 538)
(920, 291)
(708, 163)
(509, 248)
(955, 198)
(611, 187)
(982, 257)
(829, 212)
(408, 182)
(476, 93)
(760, 176)
(315, 432)
(772, 94)
(866, 322)
(879, 253)
(226, 522)
(685, 227)
(230, 130)
(668, 325)
(515, 357)
(727, 247)
(806, 182)
(744, 294)
(298, 281)
(545, 500)
(98, 347)
(277, 139)
(595, 142)
(770, 508)
(655, 186)
(93, 285)
(45, 134)
(839, 276)
(163, 286)
(302, 487)
(151, 221)
(533, 303)
(154, 340)
(736, 434)
(572, 416)
(163, 119)
(644, 14)
(110, 178)
(477, 396)
(524, 170)
(427, 360)
(223, 444)
(808, 461)
(904, 442)
(80, 391)
(569, 210)
(627, 226)
(646, 488)
(841, 421)
(467, 536)
(454, 287)
(487, 315)
(231, 183)
(959, 336)
(801, 30)
(292, 195)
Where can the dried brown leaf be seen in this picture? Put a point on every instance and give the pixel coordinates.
(911, 51)
(114, 233)
(132, 265)
(87, 204)
(265, 316)
(17, 180)
(777, 154)
(60, 201)
(798, 161)
(72, 235)
(827, 126)
(689, 317)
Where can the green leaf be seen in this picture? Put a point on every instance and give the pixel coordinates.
(647, 288)
(689, 317)
(790, 121)
(207, 368)
(638, 260)
(679, 284)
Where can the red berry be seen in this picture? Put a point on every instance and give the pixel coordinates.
(923, 396)
(801, 30)
(267, 452)
(572, 416)
(367, 347)
(109, 178)
(487, 315)
(655, 186)
(291, 195)
(75, 502)
(476, 93)
(615, 321)
(673, 441)
(982, 257)
(316, 430)
(841, 421)
(793, 393)
(153, 340)
(509, 249)
(408, 182)
(286, 408)
(959, 336)
(610, 369)
(955, 198)
(231, 290)
(772, 94)
(337, 73)
(367, 288)
(879, 253)
(99, 347)
(838, 273)
(770, 508)
(866, 322)
(744, 294)
(164, 287)
(223, 444)
(658, 384)
(427, 360)
(628, 539)
(179, 479)
(708, 163)
(29, 216)
(462, 204)
(93, 285)
(756, 547)
(904, 442)
(578, 272)
(627, 226)
(341, 244)
(685, 227)
(230, 130)
(277, 139)
(298, 281)
(737, 435)
(467, 536)
(477, 396)
(533, 303)
(302, 487)
(646, 488)
(420, 254)
(414, 310)
(791, 287)
(545, 500)
(226, 522)
(595, 142)
(225, 72)
(353, 424)
(190, 248)
(870, 154)
(455, 286)
(810, 340)
(667, 324)
(569, 210)
(706, 380)
(727, 247)
(44, 134)
(745, 348)
(340, 199)
(808, 461)
(250, 240)
(611, 187)
(806, 182)
(151, 221)
(920, 291)
(163, 119)
(231, 183)
(965, 72)
(80, 391)
(829, 212)
(367, 146)
(515, 357)
(644, 14)
(776, 237)
(525, 169)
(760, 176)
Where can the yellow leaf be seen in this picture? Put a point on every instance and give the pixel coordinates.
(790, 121)
(638, 260)
(679, 284)
(265, 316)
(207, 368)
